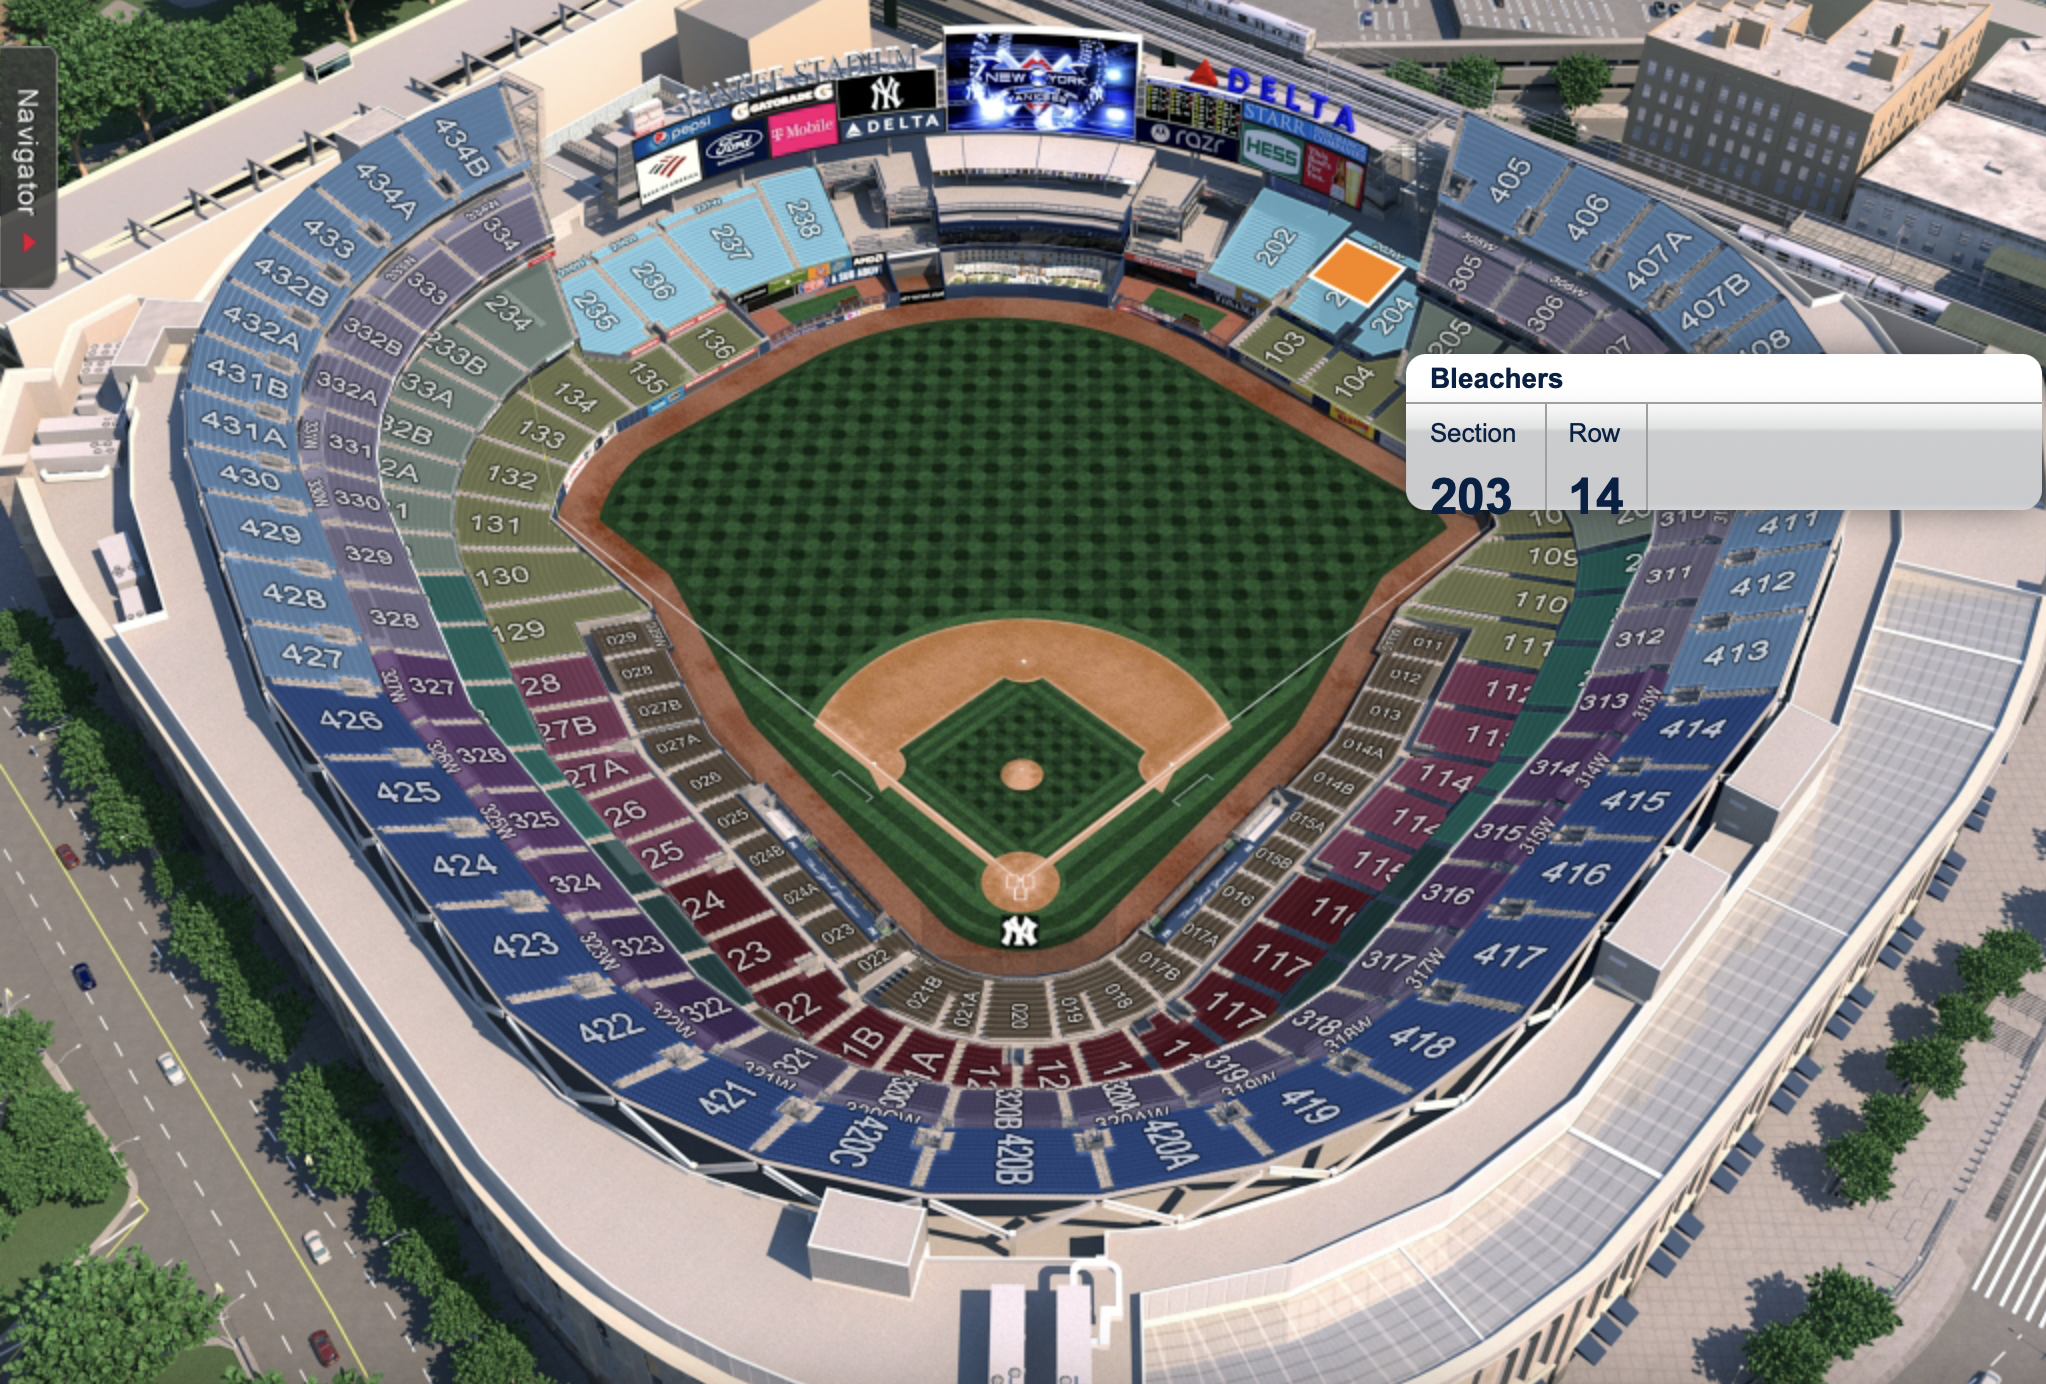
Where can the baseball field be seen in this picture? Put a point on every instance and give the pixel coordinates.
(1020, 599)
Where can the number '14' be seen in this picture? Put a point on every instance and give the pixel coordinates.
(1608, 498)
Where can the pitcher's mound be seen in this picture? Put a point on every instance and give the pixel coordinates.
(1019, 882)
(1022, 774)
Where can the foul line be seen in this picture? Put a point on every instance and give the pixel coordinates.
(192, 1079)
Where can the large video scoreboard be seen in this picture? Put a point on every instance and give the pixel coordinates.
(1193, 109)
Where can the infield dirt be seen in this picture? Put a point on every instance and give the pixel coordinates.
(581, 515)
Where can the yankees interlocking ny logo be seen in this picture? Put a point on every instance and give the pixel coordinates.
(1019, 932)
(888, 94)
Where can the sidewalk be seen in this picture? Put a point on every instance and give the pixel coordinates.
(1780, 1224)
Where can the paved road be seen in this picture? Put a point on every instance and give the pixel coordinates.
(93, 215)
(219, 1192)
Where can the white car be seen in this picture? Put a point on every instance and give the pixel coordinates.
(172, 1072)
(317, 1247)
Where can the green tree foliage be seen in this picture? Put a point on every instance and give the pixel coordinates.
(1894, 1120)
(176, 872)
(40, 20)
(148, 73)
(119, 824)
(108, 1321)
(1932, 1061)
(50, 1152)
(499, 1356)
(345, 1147)
(1788, 1352)
(347, 12)
(1846, 1311)
(22, 1040)
(1862, 1162)
(1997, 966)
(1470, 80)
(200, 63)
(82, 755)
(258, 1006)
(1414, 75)
(42, 696)
(257, 39)
(1582, 78)
(460, 1312)
(1963, 1017)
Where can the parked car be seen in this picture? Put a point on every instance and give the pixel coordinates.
(323, 1349)
(1986, 1377)
(82, 973)
(172, 1072)
(68, 856)
(317, 1247)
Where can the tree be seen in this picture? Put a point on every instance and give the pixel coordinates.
(1932, 1061)
(22, 1040)
(499, 1356)
(147, 71)
(1963, 1017)
(1470, 80)
(42, 696)
(458, 1313)
(312, 1126)
(1893, 1120)
(49, 1151)
(1582, 78)
(347, 9)
(1414, 75)
(1998, 965)
(1846, 1311)
(258, 38)
(108, 1321)
(1862, 1163)
(1787, 1352)
(202, 64)
(119, 824)
(88, 86)
(82, 755)
(44, 19)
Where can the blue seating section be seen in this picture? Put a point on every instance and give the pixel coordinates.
(318, 230)
(386, 186)
(734, 243)
(1278, 239)
(650, 274)
(1664, 247)
(1389, 324)
(604, 321)
(802, 208)
(237, 315)
(1768, 529)
(1747, 654)
(223, 368)
(1508, 174)
(469, 140)
(517, 952)
(1773, 583)
(273, 270)
(1588, 211)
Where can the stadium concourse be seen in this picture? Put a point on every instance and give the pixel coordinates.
(1458, 1025)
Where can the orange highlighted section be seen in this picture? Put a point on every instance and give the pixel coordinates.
(1356, 272)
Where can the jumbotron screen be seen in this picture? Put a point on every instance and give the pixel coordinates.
(1043, 81)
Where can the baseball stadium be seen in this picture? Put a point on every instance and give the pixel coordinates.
(857, 726)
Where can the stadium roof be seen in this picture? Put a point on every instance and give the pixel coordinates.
(1972, 164)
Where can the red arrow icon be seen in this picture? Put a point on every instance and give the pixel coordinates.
(28, 242)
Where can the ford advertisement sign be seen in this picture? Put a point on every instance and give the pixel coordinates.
(730, 148)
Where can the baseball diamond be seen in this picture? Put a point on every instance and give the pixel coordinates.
(1089, 488)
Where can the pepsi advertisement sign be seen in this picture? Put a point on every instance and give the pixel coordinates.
(1042, 81)
(734, 146)
(678, 132)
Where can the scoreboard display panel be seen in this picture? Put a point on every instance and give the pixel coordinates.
(1193, 108)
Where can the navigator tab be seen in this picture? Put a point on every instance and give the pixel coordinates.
(28, 215)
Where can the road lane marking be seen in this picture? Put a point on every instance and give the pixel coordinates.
(216, 1218)
(197, 1090)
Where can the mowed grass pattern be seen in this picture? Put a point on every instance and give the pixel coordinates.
(993, 469)
(1002, 469)
(957, 767)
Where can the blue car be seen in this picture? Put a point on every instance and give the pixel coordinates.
(82, 973)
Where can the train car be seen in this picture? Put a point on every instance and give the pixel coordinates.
(1853, 278)
(1248, 21)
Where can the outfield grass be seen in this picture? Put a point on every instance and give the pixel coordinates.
(1088, 767)
(1001, 469)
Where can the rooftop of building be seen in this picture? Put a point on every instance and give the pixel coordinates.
(1973, 163)
(1768, 38)
(2018, 69)
(746, 18)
